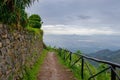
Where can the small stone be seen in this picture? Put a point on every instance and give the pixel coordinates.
(0, 32)
(0, 45)
(4, 36)
(8, 60)
(14, 34)
(1, 58)
(4, 26)
(1, 25)
(3, 51)
(4, 69)
(0, 73)
(4, 43)
(7, 41)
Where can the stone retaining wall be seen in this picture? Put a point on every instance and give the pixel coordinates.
(17, 50)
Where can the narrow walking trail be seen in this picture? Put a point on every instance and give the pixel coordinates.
(53, 70)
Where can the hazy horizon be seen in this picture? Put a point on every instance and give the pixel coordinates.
(87, 44)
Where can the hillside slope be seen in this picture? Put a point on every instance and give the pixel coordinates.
(107, 54)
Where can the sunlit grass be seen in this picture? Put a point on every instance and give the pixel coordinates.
(35, 30)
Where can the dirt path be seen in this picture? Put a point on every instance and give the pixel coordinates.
(53, 70)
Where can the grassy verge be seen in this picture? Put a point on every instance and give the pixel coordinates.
(75, 70)
(31, 74)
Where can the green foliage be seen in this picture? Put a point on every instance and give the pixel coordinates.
(34, 24)
(6, 15)
(35, 31)
(105, 75)
(31, 74)
(78, 52)
(76, 69)
(35, 17)
(51, 49)
(23, 19)
(35, 21)
(13, 11)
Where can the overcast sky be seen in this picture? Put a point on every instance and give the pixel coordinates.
(81, 17)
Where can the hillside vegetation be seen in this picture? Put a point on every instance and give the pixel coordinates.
(75, 64)
(108, 55)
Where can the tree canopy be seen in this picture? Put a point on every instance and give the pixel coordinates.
(35, 21)
(13, 11)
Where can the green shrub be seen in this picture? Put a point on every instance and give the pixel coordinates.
(35, 21)
(35, 17)
(34, 24)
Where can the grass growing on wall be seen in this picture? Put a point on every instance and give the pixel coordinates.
(31, 74)
(35, 31)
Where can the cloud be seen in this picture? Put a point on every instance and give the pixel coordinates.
(83, 17)
(77, 30)
(91, 41)
(92, 14)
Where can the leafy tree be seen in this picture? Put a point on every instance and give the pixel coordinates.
(35, 17)
(35, 21)
(23, 19)
(13, 11)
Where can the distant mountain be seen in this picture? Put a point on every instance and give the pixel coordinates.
(107, 54)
